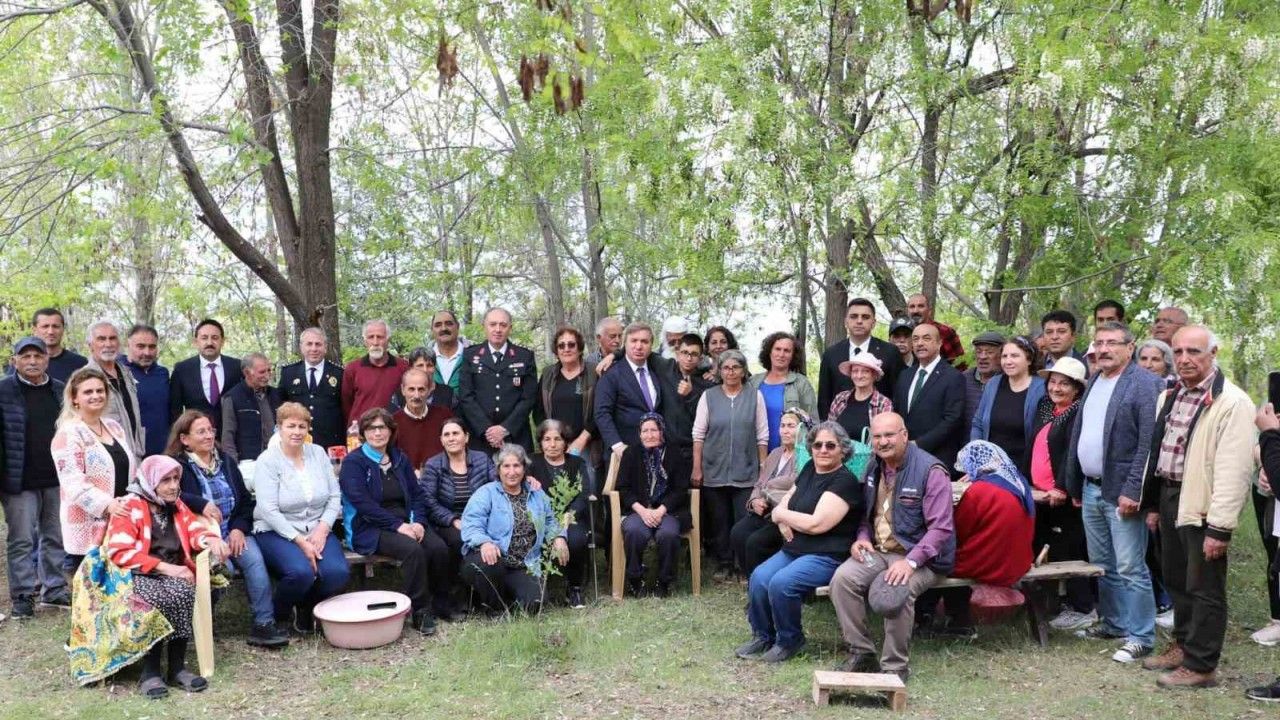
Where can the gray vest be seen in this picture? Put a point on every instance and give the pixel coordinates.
(729, 451)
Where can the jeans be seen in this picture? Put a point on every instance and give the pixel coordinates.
(257, 583)
(296, 583)
(29, 514)
(776, 591)
(1125, 601)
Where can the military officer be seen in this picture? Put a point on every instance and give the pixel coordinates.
(498, 387)
(316, 383)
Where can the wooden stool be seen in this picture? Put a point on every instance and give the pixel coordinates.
(824, 681)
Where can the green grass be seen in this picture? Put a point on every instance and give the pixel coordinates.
(641, 659)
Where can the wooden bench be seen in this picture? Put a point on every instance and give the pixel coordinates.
(1035, 585)
(824, 681)
(355, 559)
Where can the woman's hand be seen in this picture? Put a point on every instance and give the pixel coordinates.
(457, 523)
(213, 513)
(759, 506)
(219, 549)
(1039, 496)
(318, 536)
(579, 444)
(1266, 418)
(1057, 497)
(117, 508)
(534, 485)
(695, 478)
(490, 553)
(419, 531)
(787, 533)
(561, 549)
(236, 543)
(406, 530)
(182, 572)
(308, 550)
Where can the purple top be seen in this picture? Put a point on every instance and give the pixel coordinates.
(937, 516)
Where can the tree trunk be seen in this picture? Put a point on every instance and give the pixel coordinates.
(597, 281)
(928, 204)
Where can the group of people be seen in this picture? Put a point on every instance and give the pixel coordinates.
(1137, 457)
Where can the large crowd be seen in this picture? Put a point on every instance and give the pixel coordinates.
(478, 474)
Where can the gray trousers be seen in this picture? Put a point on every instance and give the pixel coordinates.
(31, 514)
(849, 596)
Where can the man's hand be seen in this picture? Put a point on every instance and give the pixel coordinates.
(862, 550)
(605, 363)
(1214, 548)
(684, 388)
(1153, 521)
(1127, 507)
(494, 435)
(212, 513)
(236, 542)
(898, 573)
(1266, 418)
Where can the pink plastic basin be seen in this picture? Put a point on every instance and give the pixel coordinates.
(350, 622)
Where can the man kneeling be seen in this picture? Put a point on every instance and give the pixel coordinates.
(905, 543)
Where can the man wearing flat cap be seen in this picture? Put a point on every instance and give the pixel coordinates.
(986, 365)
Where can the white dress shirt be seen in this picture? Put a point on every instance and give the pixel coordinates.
(915, 378)
(204, 376)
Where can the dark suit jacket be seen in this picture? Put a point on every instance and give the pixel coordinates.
(186, 391)
(498, 394)
(325, 404)
(831, 382)
(620, 401)
(936, 419)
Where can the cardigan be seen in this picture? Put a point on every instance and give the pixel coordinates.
(129, 536)
(798, 392)
(292, 502)
(774, 469)
(981, 428)
(86, 481)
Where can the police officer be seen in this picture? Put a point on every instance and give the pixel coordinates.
(316, 383)
(498, 387)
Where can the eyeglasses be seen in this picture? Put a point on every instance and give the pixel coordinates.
(1109, 343)
(566, 346)
(730, 367)
(691, 353)
(825, 445)
(372, 428)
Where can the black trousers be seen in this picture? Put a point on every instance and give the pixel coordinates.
(725, 506)
(1261, 505)
(452, 538)
(423, 567)
(498, 586)
(754, 540)
(1062, 529)
(1197, 586)
(666, 539)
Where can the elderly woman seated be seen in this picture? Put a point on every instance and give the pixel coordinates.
(504, 527)
(653, 486)
(569, 475)
(155, 538)
(818, 520)
(298, 503)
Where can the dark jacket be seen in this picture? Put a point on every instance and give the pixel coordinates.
(437, 484)
(633, 484)
(325, 403)
(192, 494)
(362, 511)
(1126, 436)
(13, 423)
(502, 393)
(936, 419)
(152, 384)
(1059, 438)
(186, 390)
(247, 442)
(831, 381)
(576, 470)
(619, 402)
(679, 414)
(547, 384)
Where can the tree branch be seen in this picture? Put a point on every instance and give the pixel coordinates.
(38, 11)
(1072, 281)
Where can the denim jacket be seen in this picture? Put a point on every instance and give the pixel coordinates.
(488, 518)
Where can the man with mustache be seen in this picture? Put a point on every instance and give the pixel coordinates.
(447, 346)
(198, 382)
(919, 310)
(1111, 439)
(152, 381)
(104, 353)
(498, 387)
(370, 381)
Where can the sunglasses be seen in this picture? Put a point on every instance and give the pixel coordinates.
(825, 445)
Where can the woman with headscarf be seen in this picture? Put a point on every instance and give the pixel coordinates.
(157, 539)
(653, 485)
(755, 538)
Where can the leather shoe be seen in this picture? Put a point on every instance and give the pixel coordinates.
(1182, 677)
(1170, 659)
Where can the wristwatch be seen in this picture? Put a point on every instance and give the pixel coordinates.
(914, 565)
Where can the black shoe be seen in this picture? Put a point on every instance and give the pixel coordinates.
(722, 573)
(1265, 693)
(304, 623)
(23, 608)
(267, 636)
(904, 674)
(859, 662)
(635, 587)
(574, 598)
(778, 654)
(61, 601)
(663, 589)
(424, 622)
(955, 632)
(754, 649)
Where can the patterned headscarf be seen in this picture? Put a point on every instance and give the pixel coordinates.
(986, 462)
(150, 473)
(653, 469)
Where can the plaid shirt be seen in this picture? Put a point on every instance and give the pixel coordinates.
(1173, 446)
(876, 404)
(952, 348)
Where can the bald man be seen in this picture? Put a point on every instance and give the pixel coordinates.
(1168, 321)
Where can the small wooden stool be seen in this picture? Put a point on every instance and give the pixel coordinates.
(824, 681)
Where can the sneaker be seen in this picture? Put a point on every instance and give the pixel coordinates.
(1131, 652)
(267, 636)
(574, 598)
(754, 649)
(1170, 659)
(1164, 619)
(1074, 620)
(1182, 677)
(1268, 636)
(23, 608)
(778, 654)
(1265, 693)
(304, 623)
(1098, 632)
(61, 601)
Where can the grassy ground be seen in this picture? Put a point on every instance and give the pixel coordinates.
(640, 659)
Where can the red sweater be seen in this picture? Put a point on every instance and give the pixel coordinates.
(129, 536)
(365, 385)
(420, 439)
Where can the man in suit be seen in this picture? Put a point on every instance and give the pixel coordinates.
(931, 399)
(859, 321)
(152, 381)
(640, 384)
(1106, 465)
(104, 355)
(249, 410)
(1059, 328)
(198, 382)
(498, 387)
(316, 383)
(919, 310)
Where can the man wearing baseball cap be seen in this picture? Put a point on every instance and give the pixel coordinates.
(30, 401)
(900, 335)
